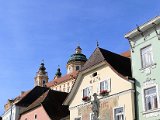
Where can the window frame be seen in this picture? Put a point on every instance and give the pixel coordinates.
(144, 64)
(108, 79)
(105, 85)
(78, 118)
(88, 92)
(144, 98)
(122, 112)
(90, 116)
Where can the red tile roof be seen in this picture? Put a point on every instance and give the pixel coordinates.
(126, 54)
(62, 79)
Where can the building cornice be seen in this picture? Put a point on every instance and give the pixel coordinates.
(143, 28)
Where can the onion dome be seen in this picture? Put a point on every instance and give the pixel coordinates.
(78, 56)
(42, 68)
(58, 73)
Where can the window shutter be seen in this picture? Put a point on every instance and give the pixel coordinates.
(98, 88)
(109, 84)
(90, 91)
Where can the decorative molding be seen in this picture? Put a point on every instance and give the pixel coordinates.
(155, 28)
(149, 82)
(152, 113)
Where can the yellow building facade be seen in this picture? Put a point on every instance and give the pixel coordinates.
(106, 76)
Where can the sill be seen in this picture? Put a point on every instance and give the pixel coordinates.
(150, 66)
(151, 111)
(86, 98)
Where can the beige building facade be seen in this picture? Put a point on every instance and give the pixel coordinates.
(114, 91)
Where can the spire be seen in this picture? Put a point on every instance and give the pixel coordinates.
(58, 73)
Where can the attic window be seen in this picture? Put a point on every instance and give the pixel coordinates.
(35, 116)
(94, 74)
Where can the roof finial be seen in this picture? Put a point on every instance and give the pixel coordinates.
(43, 61)
(97, 44)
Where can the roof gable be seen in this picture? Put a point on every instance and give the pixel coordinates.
(32, 96)
(52, 103)
(120, 63)
(94, 59)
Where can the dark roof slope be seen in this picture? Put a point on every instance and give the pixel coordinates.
(120, 63)
(32, 96)
(52, 102)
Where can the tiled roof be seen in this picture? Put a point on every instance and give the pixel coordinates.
(52, 102)
(31, 96)
(18, 98)
(65, 78)
(121, 64)
(126, 54)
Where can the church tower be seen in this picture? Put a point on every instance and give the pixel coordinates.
(41, 76)
(76, 60)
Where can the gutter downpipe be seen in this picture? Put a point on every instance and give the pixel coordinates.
(135, 94)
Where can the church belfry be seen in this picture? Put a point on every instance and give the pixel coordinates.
(76, 60)
(41, 76)
(58, 73)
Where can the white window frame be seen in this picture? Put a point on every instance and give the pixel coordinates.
(143, 98)
(88, 92)
(108, 85)
(35, 115)
(104, 85)
(146, 56)
(90, 116)
(78, 118)
(117, 108)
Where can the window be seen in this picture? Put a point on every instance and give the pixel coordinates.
(94, 74)
(68, 89)
(86, 92)
(103, 85)
(146, 56)
(44, 82)
(150, 98)
(77, 68)
(35, 116)
(79, 118)
(91, 116)
(119, 113)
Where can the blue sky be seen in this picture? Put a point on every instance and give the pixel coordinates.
(32, 30)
